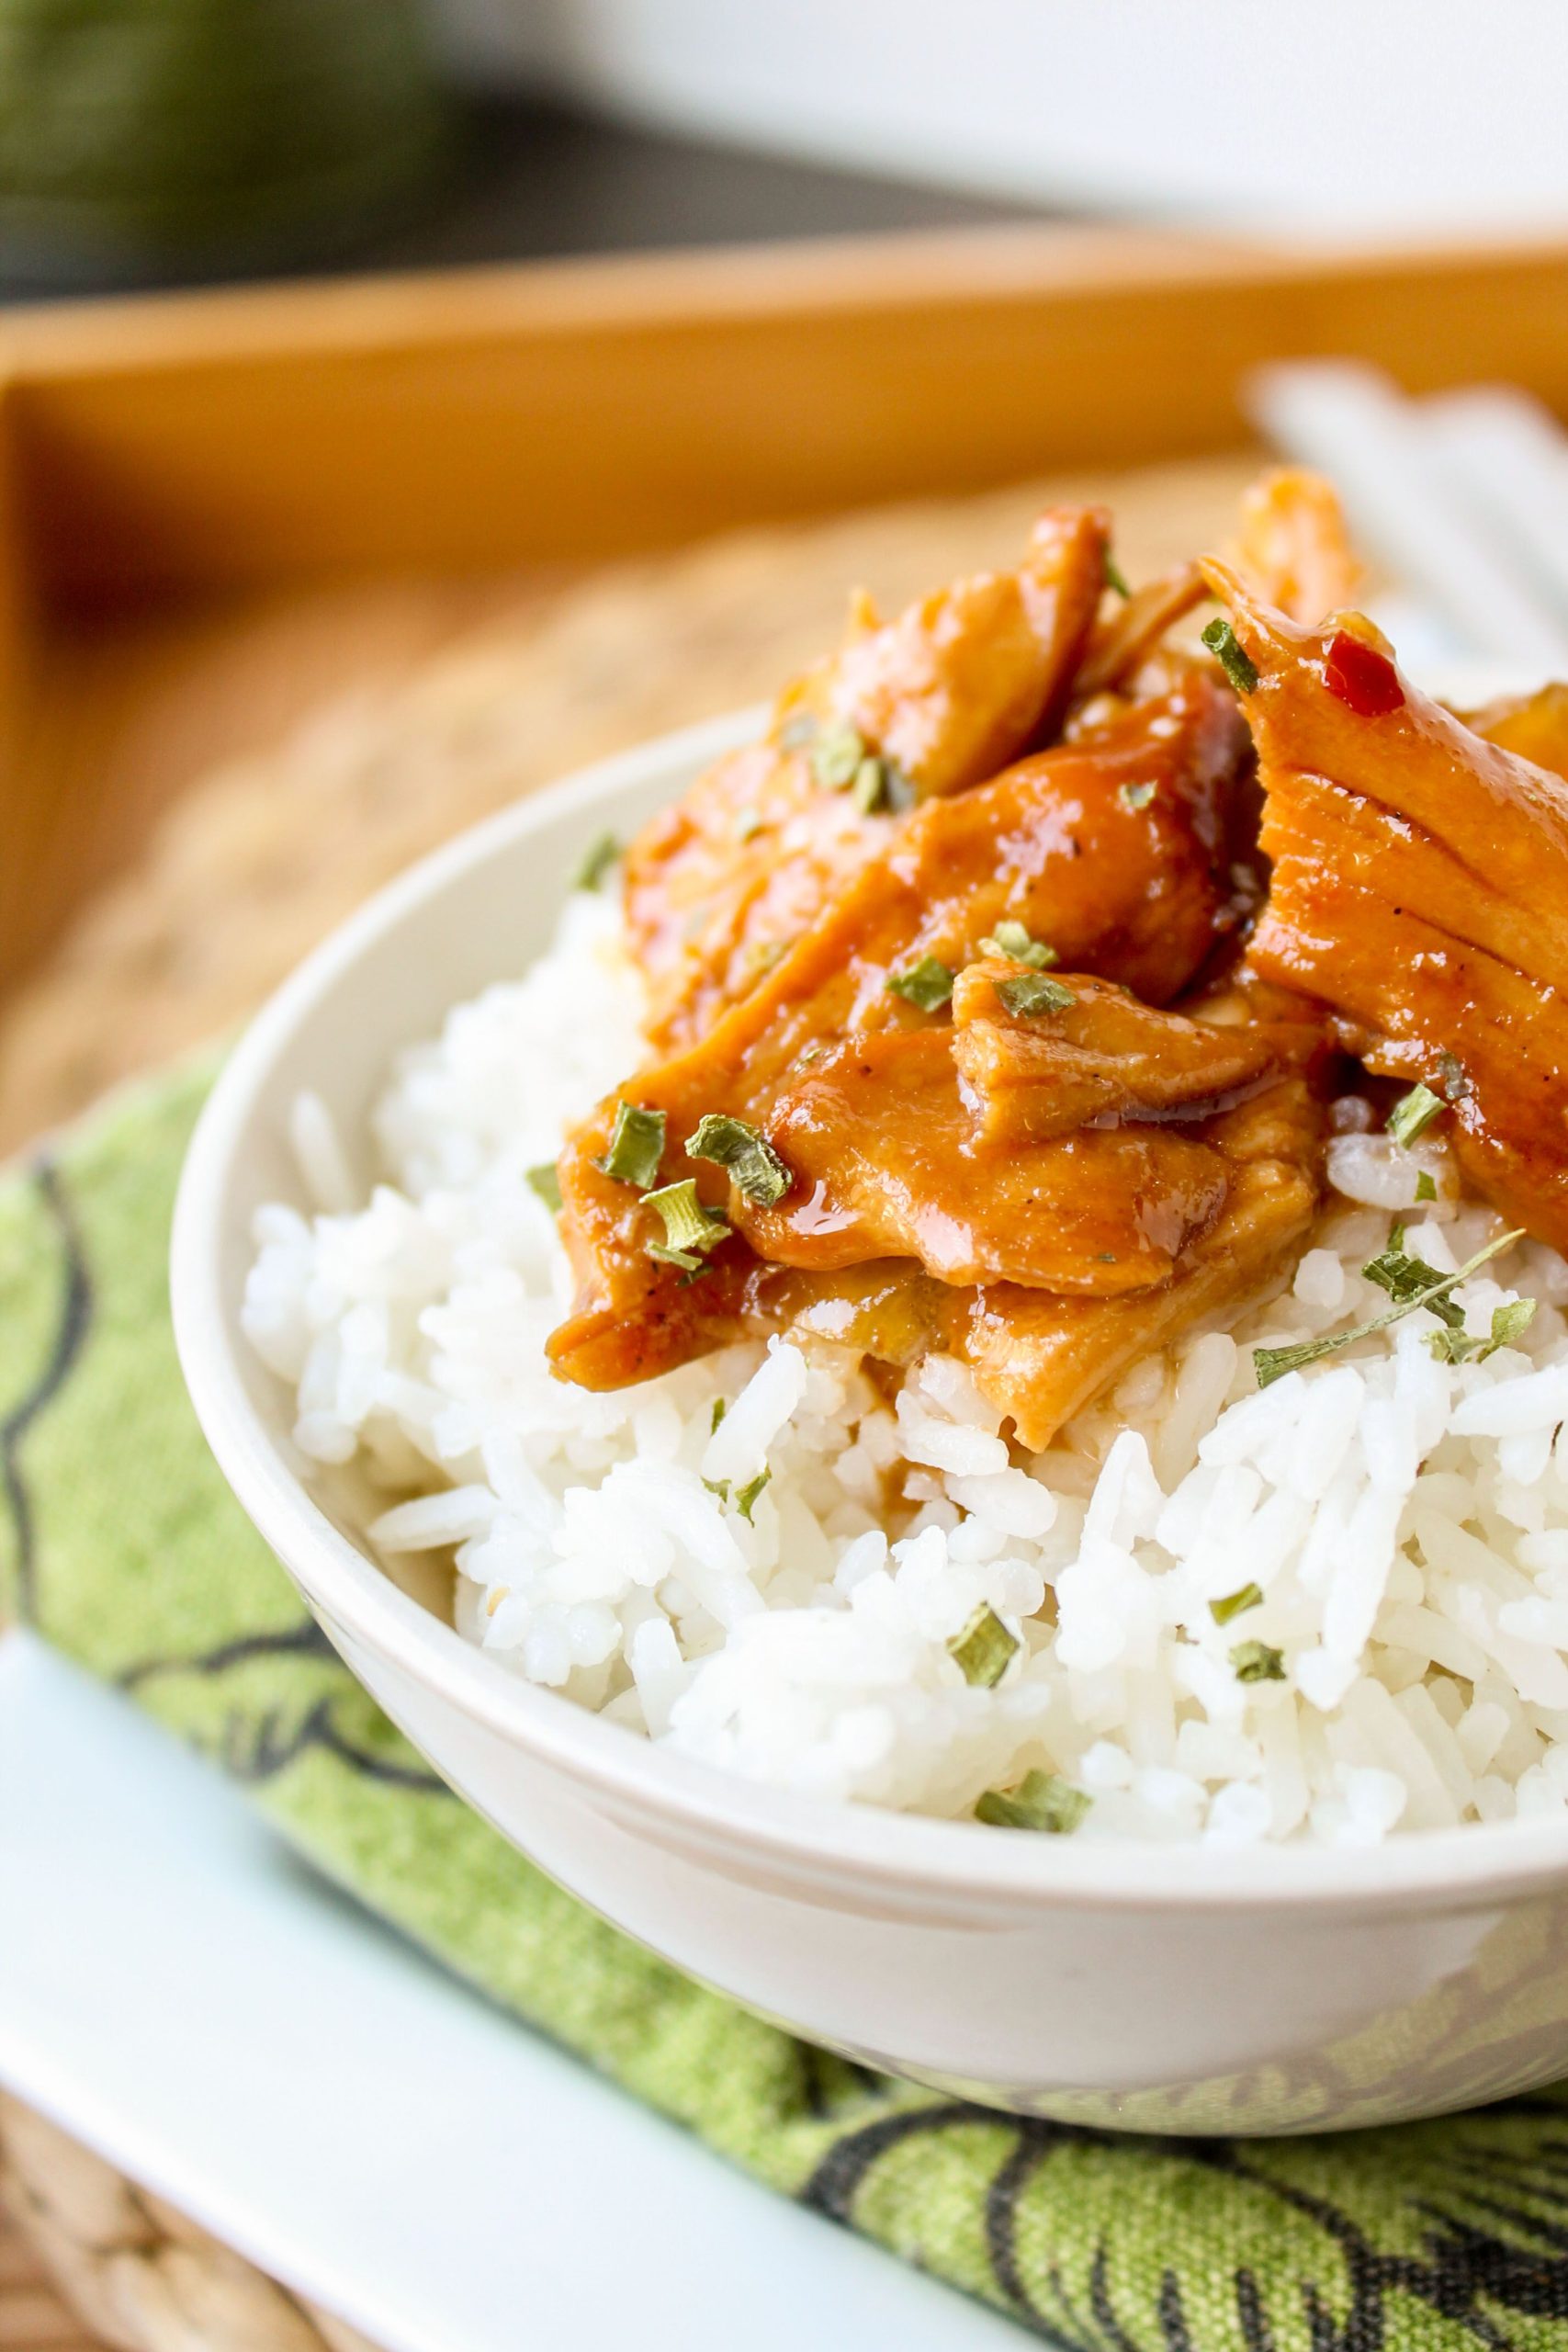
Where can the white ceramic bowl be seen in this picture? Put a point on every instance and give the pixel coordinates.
(1165, 1988)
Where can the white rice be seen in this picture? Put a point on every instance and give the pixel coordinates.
(1405, 1522)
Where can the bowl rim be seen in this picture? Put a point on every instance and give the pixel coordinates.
(960, 1861)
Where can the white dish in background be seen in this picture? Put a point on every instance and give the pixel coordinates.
(186, 1997)
(1129, 106)
(1165, 1988)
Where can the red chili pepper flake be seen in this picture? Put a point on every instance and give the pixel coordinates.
(1362, 677)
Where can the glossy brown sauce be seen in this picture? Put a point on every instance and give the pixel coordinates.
(981, 940)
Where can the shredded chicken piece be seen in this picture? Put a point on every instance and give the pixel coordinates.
(1041, 1359)
(1115, 856)
(890, 1161)
(966, 680)
(975, 992)
(1420, 888)
(1534, 726)
(939, 699)
(1105, 1055)
(1293, 550)
(1125, 641)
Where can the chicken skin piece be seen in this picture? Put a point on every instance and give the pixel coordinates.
(1420, 888)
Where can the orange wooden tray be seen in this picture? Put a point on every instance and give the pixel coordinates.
(211, 505)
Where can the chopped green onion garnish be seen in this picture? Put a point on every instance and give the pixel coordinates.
(1011, 939)
(928, 984)
(1256, 1662)
(1414, 1114)
(637, 1147)
(1272, 1363)
(748, 822)
(1426, 1189)
(1232, 1604)
(1511, 1322)
(717, 1414)
(689, 1224)
(595, 862)
(1135, 796)
(746, 1495)
(1114, 576)
(798, 730)
(1042, 1801)
(1033, 992)
(545, 1181)
(982, 1648)
(693, 1267)
(1226, 648)
(1453, 1344)
(754, 1166)
(881, 786)
(837, 758)
(1404, 1277)
(870, 792)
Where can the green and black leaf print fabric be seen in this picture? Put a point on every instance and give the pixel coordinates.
(119, 1542)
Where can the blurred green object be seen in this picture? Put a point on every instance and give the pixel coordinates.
(142, 136)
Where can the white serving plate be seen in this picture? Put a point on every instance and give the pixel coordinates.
(1412, 117)
(184, 1996)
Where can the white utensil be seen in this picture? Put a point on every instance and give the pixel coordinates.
(1465, 499)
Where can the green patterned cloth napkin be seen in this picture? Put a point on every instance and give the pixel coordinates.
(119, 1540)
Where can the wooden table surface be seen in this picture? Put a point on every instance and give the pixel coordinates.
(33, 2317)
